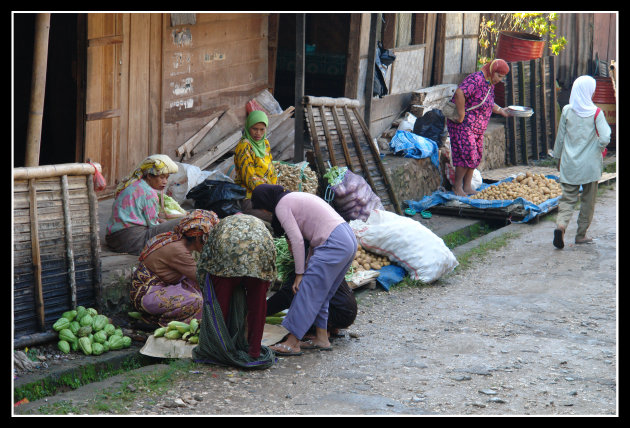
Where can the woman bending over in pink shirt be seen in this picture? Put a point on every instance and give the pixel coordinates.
(332, 246)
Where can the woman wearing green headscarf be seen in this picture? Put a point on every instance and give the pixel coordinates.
(252, 160)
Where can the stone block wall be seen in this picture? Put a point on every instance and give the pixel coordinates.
(411, 179)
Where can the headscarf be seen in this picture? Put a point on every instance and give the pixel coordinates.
(496, 66)
(255, 117)
(196, 223)
(267, 196)
(581, 99)
(154, 164)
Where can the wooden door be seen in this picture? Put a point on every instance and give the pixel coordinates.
(123, 81)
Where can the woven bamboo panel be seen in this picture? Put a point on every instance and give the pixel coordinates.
(61, 277)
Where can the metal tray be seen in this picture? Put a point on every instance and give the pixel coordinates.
(521, 111)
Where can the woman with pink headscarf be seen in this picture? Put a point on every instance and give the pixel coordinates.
(582, 136)
(474, 100)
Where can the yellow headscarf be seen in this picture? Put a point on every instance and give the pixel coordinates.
(154, 164)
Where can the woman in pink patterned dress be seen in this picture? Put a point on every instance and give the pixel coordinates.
(467, 134)
(164, 286)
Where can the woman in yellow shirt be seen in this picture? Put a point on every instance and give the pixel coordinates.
(253, 161)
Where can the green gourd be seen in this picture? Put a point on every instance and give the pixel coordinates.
(61, 323)
(100, 336)
(115, 342)
(86, 320)
(85, 345)
(97, 349)
(85, 331)
(66, 334)
(63, 346)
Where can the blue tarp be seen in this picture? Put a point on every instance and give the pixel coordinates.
(390, 275)
(532, 210)
(410, 145)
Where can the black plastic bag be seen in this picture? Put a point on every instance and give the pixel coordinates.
(431, 125)
(222, 197)
(384, 58)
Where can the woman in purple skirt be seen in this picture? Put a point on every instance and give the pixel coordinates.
(474, 99)
(332, 246)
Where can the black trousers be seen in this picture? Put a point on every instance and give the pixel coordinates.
(342, 309)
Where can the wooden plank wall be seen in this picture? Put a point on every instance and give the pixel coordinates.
(104, 106)
(124, 67)
(531, 83)
(217, 63)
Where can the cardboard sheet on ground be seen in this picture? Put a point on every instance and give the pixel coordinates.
(160, 347)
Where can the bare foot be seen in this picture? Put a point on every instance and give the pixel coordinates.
(470, 191)
(459, 191)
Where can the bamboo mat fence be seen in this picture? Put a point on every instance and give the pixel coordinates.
(56, 249)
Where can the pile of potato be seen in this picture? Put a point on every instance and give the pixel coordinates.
(294, 178)
(535, 188)
(365, 260)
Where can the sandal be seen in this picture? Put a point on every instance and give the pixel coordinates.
(309, 344)
(558, 238)
(288, 351)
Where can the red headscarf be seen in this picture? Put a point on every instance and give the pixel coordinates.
(496, 66)
(195, 223)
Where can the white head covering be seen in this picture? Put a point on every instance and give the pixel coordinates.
(581, 99)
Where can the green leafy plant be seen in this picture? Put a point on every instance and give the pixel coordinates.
(540, 24)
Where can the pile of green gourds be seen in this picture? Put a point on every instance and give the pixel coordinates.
(175, 330)
(85, 330)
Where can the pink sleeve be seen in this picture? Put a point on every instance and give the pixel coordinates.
(294, 235)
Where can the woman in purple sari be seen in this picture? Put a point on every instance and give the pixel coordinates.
(474, 99)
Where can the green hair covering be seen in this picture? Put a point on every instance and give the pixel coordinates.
(253, 118)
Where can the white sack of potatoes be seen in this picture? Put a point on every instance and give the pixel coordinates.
(407, 243)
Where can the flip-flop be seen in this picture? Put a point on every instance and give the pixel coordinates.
(310, 345)
(558, 238)
(584, 241)
(289, 350)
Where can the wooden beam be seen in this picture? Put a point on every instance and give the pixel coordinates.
(521, 101)
(353, 57)
(68, 241)
(300, 40)
(533, 120)
(189, 145)
(37, 263)
(95, 245)
(369, 74)
(511, 134)
(38, 89)
(543, 103)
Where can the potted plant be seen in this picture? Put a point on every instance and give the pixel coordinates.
(519, 36)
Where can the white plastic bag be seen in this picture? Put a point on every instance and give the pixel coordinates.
(406, 242)
(187, 177)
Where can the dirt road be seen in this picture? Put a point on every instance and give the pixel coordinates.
(526, 330)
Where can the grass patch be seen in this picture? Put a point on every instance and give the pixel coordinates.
(480, 252)
(611, 167)
(461, 237)
(115, 400)
(87, 374)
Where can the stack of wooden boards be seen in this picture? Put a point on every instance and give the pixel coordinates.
(219, 136)
(338, 133)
